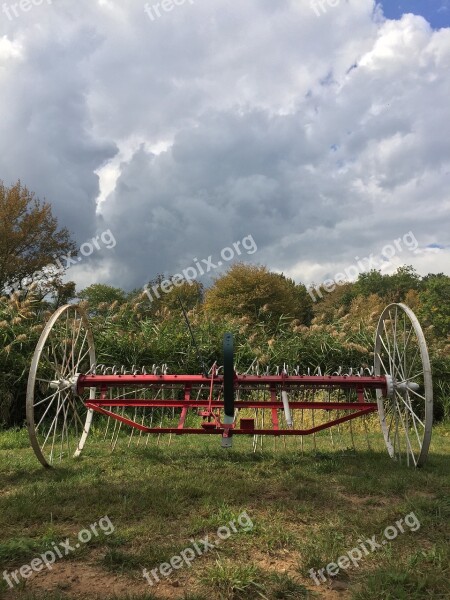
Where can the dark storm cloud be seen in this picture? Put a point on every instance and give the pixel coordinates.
(321, 136)
(46, 131)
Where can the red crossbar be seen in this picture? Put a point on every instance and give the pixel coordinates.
(168, 403)
(219, 430)
(344, 381)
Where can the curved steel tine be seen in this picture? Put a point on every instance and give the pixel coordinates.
(251, 368)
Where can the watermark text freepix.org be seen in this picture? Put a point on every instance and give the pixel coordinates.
(65, 261)
(206, 265)
(154, 12)
(24, 6)
(320, 6)
(60, 550)
(364, 548)
(381, 262)
(188, 555)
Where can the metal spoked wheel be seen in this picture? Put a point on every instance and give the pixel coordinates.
(57, 420)
(406, 414)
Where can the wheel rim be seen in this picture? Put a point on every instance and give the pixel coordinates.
(57, 420)
(406, 415)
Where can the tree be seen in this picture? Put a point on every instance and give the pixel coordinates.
(435, 309)
(259, 295)
(100, 297)
(371, 282)
(190, 294)
(31, 243)
(402, 281)
(63, 293)
(392, 287)
(333, 304)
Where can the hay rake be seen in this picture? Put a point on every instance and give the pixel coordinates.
(66, 387)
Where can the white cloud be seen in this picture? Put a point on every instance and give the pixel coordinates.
(325, 138)
(9, 50)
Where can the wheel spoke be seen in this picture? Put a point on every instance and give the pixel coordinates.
(386, 371)
(47, 409)
(408, 442)
(410, 378)
(419, 441)
(401, 342)
(409, 407)
(53, 425)
(391, 363)
(417, 394)
(412, 361)
(80, 361)
(405, 344)
(64, 347)
(46, 398)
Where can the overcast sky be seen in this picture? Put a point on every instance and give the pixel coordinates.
(322, 132)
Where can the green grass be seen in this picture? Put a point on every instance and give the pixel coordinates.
(307, 510)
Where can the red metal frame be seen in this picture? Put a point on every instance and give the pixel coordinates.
(212, 424)
(339, 381)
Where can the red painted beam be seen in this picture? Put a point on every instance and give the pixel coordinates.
(220, 430)
(136, 402)
(284, 381)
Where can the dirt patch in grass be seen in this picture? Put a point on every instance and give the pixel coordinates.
(83, 580)
(286, 562)
(356, 500)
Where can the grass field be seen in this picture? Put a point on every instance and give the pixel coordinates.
(306, 511)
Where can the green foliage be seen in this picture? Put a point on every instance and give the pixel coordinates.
(401, 282)
(435, 303)
(190, 294)
(19, 332)
(257, 295)
(372, 282)
(29, 240)
(392, 287)
(99, 297)
(130, 330)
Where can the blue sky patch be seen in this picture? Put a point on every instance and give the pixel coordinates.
(436, 12)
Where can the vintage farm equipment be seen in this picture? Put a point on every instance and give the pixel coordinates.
(66, 387)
